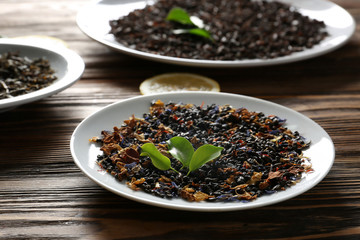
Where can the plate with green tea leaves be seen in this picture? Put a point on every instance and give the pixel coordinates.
(218, 33)
(30, 72)
(202, 151)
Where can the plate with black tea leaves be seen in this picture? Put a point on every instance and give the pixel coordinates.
(93, 19)
(61, 67)
(321, 151)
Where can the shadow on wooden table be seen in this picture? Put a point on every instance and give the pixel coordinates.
(118, 218)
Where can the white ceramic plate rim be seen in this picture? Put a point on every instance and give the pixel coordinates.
(93, 21)
(84, 153)
(73, 72)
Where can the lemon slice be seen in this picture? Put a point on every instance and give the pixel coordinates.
(178, 82)
(42, 40)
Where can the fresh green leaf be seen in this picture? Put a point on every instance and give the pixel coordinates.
(195, 31)
(181, 149)
(201, 32)
(158, 160)
(179, 15)
(204, 154)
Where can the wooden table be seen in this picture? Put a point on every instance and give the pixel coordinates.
(44, 195)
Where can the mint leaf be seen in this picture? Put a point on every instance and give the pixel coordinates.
(204, 154)
(179, 15)
(158, 160)
(181, 149)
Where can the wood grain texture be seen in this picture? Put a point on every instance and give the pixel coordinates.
(43, 195)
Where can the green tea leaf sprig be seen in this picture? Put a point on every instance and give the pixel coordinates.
(182, 150)
(179, 15)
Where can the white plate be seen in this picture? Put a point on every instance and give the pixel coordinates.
(94, 19)
(321, 151)
(67, 64)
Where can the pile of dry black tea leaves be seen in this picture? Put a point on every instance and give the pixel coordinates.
(260, 156)
(240, 29)
(21, 75)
